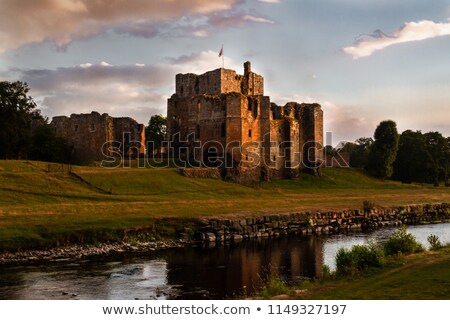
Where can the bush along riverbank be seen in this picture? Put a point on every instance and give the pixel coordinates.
(400, 268)
(175, 232)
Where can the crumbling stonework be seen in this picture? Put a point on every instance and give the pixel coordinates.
(96, 136)
(208, 173)
(222, 119)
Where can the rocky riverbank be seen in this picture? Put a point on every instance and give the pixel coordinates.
(75, 251)
(317, 223)
(214, 231)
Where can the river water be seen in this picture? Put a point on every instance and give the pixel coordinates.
(192, 272)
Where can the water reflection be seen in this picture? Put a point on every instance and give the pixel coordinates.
(189, 273)
(242, 268)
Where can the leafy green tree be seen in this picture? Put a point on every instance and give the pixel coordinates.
(383, 152)
(155, 133)
(360, 153)
(437, 148)
(45, 145)
(24, 132)
(412, 162)
(447, 164)
(18, 117)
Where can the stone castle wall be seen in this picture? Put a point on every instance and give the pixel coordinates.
(95, 136)
(219, 81)
(231, 110)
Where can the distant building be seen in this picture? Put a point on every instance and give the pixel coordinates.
(96, 136)
(222, 119)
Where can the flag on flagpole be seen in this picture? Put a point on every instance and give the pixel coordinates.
(221, 55)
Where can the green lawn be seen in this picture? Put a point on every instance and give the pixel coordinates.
(423, 276)
(42, 204)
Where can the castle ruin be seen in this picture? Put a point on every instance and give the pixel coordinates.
(222, 119)
(95, 136)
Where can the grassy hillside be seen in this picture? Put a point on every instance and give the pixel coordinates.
(43, 203)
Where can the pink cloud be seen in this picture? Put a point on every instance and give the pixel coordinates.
(239, 19)
(61, 21)
(411, 31)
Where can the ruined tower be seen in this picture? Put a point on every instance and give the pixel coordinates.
(94, 136)
(223, 119)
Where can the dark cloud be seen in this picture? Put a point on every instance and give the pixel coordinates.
(128, 90)
(137, 90)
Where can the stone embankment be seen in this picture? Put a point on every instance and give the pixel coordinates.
(309, 223)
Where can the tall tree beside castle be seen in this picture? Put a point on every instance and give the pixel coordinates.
(437, 148)
(155, 133)
(383, 152)
(18, 117)
(422, 157)
(412, 162)
(24, 132)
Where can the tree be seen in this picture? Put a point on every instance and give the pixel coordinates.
(45, 145)
(412, 162)
(155, 133)
(447, 164)
(24, 132)
(359, 153)
(18, 117)
(383, 152)
(437, 148)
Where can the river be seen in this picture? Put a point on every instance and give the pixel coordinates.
(195, 272)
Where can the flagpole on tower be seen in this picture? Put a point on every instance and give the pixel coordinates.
(221, 55)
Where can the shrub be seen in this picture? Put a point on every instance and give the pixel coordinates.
(402, 242)
(368, 205)
(435, 243)
(359, 258)
(326, 272)
(344, 262)
(274, 286)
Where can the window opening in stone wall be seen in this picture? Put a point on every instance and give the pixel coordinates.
(249, 104)
(250, 133)
(223, 130)
(75, 128)
(199, 106)
(92, 127)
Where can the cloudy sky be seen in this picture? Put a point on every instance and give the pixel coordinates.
(363, 60)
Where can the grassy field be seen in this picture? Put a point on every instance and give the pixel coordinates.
(43, 204)
(422, 276)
